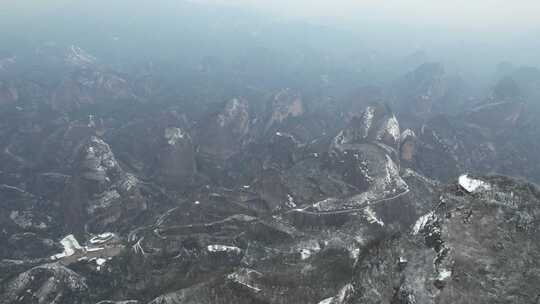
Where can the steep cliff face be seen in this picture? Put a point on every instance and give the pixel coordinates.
(221, 135)
(100, 193)
(176, 158)
(420, 92)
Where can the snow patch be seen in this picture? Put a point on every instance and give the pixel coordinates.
(100, 262)
(174, 135)
(391, 128)
(305, 254)
(79, 57)
(93, 249)
(70, 244)
(472, 185)
(421, 222)
(371, 216)
(392, 174)
(344, 292)
(327, 301)
(290, 201)
(308, 249)
(246, 277)
(367, 118)
(129, 182)
(444, 274)
(101, 238)
(407, 134)
(223, 248)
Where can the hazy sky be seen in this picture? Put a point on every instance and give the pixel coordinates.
(457, 14)
(460, 14)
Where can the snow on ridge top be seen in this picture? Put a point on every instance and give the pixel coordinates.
(327, 301)
(223, 248)
(391, 128)
(371, 216)
(408, 133)
(471, 184)
(421, 222)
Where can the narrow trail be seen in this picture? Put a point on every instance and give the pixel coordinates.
(349, 210)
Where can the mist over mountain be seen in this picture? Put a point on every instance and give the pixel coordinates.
(174, 152)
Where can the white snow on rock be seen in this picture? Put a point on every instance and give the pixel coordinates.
(444, 274)
(408, 133)
(98, 160)
(327, 301)
(354, 254)
(233, 108)
(104, 200)
(472, 185)
(223, 248)
(421, 222)
(101, 238)
(100, 262)
(368, 120)
(305, 254)
(79, 57)
(129, 182)
(343, 293)
(174, 135)
(392, 174)
(246, 277)
(392, 129)
(93, 249)
(371, 216)
(70, 244)
(290, 201)
(309, 248)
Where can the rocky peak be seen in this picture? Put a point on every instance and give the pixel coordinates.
(222, 135)
(78, 57)
(235, 114)
(376, 124)
(419, 91)
(283, 105)
(97, 162)
(176, 158)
